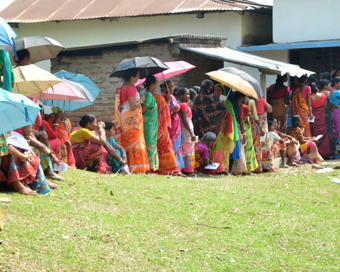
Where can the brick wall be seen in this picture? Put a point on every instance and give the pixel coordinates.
(99, 67)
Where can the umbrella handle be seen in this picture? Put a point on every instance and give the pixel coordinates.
(26, 111)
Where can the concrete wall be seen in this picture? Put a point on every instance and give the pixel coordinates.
(256, 28)
(301, 20)
(90, 33)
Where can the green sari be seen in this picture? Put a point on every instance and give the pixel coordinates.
(249, 148)
(150, 119)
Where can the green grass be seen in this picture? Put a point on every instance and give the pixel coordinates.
(286, 221)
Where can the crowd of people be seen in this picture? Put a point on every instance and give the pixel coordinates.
(203, 130)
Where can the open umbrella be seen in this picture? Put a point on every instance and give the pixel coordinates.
(83, 84)
(61, 91)
(234, 82)
(175, 68)
(246, 77)
(40, 48)
(30, 80)
(147, 66)
(7, 34)
(16, 111)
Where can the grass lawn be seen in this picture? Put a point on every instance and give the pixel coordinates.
(286, 221)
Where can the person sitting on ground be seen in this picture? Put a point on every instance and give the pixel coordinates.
(88, 149)
(203, 151)
(59, 121)
(114, 161)
(308, 147)
(21, 169)
(277, 144)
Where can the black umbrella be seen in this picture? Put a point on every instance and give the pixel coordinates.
(147, 66)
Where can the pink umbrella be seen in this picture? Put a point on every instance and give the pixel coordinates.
(60, 91)
(175, 68)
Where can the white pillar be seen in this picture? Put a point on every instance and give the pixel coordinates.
(263, 83)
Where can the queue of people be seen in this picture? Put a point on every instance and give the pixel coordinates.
(181, 132)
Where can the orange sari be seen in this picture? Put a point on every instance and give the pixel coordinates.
(300, 107)
(166, 154)
(128, 126)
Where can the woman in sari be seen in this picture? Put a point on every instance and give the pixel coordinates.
(203, 151)
(207, 115)
(308, 148)
(150, 119)
(166, 154)
(62, 125)
(229, 130)
(21, 169)
(175, 128)
(301, 104)
(319, 127)
(256, 131)
(334, 97)
(278, 97)
(248, 121)
(88, 149)
(128, 122)
(188, 137)
(262, 107)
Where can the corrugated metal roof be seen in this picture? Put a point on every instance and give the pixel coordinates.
(268, 66)
(30, 11)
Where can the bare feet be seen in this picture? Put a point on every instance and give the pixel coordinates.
(284, 166)
(179, 174)
(52, 185)
(18, 187)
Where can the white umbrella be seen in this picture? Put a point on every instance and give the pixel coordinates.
(40, 48)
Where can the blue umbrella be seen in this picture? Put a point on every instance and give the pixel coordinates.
(16, 111)
(92, 89)
(7, 34)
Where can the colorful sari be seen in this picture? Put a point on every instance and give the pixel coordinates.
(3, 144)
(320, 128)
(175, 132)
(309, 150)
(150, 119)
(256, 134)
(110, 160)
(166, 155)
(240, 166)
(91, 157)
(64, 130)
(276, 99)
(128, 126)
(187, 145)
(29, 172)
(249, 147)
(267, 158)
(300, 107)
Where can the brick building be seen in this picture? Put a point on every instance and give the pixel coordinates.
(98, 63)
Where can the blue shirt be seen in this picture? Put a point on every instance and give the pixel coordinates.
(335, 97)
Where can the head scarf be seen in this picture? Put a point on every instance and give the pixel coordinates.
(208, 110)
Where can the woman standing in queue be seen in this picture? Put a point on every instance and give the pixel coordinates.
(319, 127)
(128, 122)
(278, 97)
(301, 104)
(150, 119)
(175, 129)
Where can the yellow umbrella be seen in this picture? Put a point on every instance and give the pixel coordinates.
(30, 80)
(234, 82)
